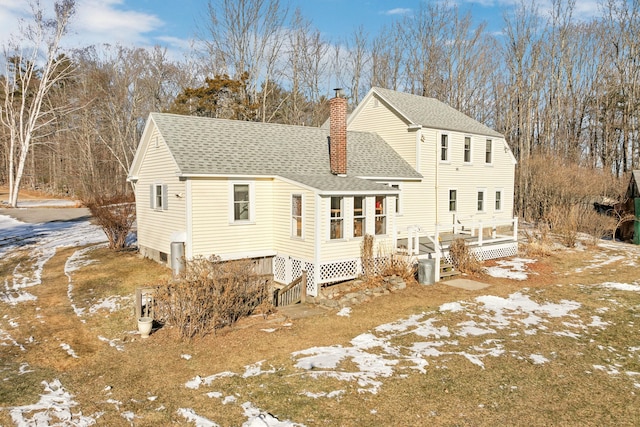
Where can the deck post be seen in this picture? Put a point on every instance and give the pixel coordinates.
(480, 233)
(303, 287)
(515, 228)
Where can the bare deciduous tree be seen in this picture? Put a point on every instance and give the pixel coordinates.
(33, 67)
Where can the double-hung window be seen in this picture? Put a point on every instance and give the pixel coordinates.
(488, 157)
(498, 200)
(241, 202)
(444, 147)
(336, 226)
(158, 197)
(296, 215)
(480, 200)
(467, 149)
(453, 200)
(359, 216)
(380, 215)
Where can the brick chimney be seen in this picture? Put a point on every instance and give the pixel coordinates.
(338, 134)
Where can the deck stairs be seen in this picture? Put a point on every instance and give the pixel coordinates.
(447, 271)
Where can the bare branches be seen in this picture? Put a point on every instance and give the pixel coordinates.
(31, 73)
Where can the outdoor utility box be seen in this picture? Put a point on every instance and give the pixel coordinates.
(426, 271)
(177, 258)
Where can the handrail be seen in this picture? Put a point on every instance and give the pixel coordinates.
(293, 293)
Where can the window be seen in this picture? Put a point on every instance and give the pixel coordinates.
(498, 200)
(296, 215)
(158, 197)
(467, 149)
(487, 154)
(480, 200)
(241, 202)
(381, 217)
(359, 216)
(336, 225)
(444, 147)
(453, 200)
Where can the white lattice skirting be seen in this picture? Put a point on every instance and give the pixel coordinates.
(483, 253)
(286, 269)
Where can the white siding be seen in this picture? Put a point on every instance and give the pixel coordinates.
(349, 247)
(420, 206)
(282, 235)
(157, 227)
(386, 123)
(215, 234)
(469, 178)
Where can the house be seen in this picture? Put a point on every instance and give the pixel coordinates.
(299, 198)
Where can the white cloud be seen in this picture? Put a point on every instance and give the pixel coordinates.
(397, 11)
(95, 22)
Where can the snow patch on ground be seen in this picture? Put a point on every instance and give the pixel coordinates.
(621, 286)
(40, 242)
(344, 312)
(515, 269)
(53, 409)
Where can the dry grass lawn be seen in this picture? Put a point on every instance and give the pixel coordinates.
(147, 379)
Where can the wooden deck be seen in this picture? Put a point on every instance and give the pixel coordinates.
(427, 248)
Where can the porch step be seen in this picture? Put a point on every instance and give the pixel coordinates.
(447, 271)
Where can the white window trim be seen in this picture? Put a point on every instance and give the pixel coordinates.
(484, 199)
(399, 198)
(501, 191)
(449, 199)
(363, 216)
(252, 202)
(384, 214)
(163, 206)
(342, 216)
(302, 210)
(492, 152)
(470, 150)
(448, 159)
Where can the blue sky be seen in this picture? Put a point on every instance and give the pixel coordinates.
(173, 22)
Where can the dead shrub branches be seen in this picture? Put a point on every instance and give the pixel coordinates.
(463, 259)
(210, 294)
(115, 214)
(366, 254)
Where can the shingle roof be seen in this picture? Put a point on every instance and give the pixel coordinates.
(205, 146)
(430, 112)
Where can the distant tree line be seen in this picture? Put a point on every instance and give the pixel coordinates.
(556, 86)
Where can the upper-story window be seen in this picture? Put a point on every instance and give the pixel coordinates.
(359, 216)
(444, 147)
(296, 215)
(488, 155)
(381, 215)
(467, 149)
(336, 226)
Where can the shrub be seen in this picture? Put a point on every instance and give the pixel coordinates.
(462, 257)
(116, 215)
(564, 222)
(366, 254)
(538, 241)
(594, 224)
(210, 294)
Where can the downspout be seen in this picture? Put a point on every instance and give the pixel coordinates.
(316, 251)
(188, 253)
